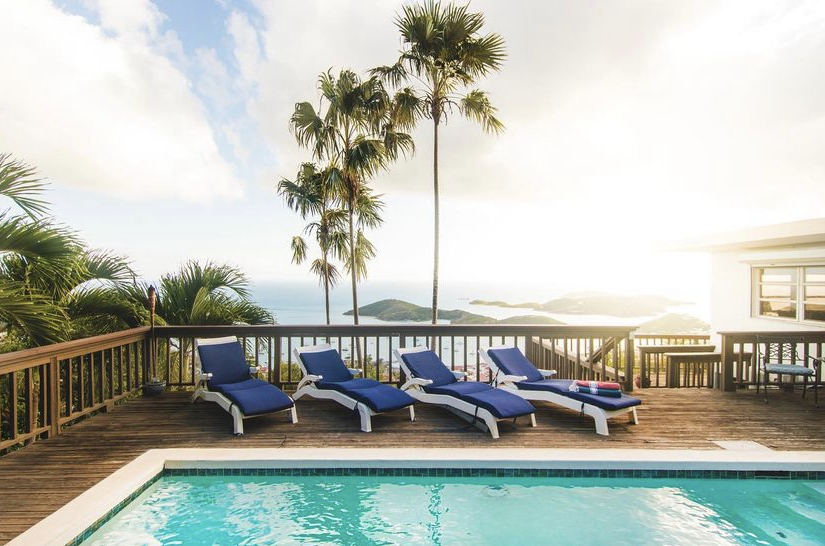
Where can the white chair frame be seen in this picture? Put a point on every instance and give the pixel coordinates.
(476, 415)
(307, 387)
(202, 388)
(599, 415)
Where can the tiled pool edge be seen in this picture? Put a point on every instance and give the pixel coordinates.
(69, 524)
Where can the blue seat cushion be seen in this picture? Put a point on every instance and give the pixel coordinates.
(255, 397)
(511, 362)
(502, 404)
(376, 396)
(239, 386)
(789, 369)
(225, 361)
(427, 365)
(562, 386)
(328, 364)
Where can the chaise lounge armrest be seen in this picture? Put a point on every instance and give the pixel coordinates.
(458, 375)
(416, 382)
(309, 378)
(547, 373)
(511, 378)
(354, 372)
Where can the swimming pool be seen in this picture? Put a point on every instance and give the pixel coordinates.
(513, 468)
(359, 509)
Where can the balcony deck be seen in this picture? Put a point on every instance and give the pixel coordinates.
(43, 477)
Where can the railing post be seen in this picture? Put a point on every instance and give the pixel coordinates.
(726, 381)
(276, 362)
(54, 396)
(629, 362)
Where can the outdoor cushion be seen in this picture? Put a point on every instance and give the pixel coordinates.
(561, 386)
(225, 361)
(427, 365)
(377, 396)
(511, 362)
(328, 364)
(502, 404)
(458, 388)
(789, 369)
(255, 400)
(239, 386)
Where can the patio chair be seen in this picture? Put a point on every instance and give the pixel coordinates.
(431, 382)
(785, 358)
(327, 377)
(514, 373)
(225, 378)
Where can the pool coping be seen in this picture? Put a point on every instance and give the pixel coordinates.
(63, 526)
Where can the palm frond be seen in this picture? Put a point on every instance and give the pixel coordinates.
(476, 106)
(19, 182)
(33, 314)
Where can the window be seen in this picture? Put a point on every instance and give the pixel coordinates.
(791, 292)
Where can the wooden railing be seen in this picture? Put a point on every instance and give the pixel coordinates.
(48, 387)
(644, 340)
(740, 371)
(458, 346)
(651, 362)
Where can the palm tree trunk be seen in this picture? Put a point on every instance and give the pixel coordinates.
(435, 220)
(326, 285)
(353, 277)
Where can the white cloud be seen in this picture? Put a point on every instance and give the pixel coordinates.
(104, 112)
(247, 49)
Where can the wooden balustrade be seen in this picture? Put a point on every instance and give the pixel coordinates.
(583, 352)
(645, 340)
(740, 371)
(44, 388)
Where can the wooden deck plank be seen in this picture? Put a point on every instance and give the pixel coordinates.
(39, 479)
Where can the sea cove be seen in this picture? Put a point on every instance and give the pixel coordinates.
(302, 302)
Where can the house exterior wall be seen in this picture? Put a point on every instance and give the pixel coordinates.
(731, 287)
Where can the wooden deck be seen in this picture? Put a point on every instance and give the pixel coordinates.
(41, 478)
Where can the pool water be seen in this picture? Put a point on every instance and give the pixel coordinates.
(358, 510)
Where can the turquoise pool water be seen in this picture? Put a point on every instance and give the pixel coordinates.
(358, 510)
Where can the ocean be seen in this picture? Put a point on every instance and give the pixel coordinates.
(302, 302)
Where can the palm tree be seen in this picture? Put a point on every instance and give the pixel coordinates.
(310, 195)
(29, 244)
(444, 53)
(357, 135)
(204, 294)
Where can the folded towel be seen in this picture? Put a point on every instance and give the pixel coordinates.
(599, 385)
(612, 393)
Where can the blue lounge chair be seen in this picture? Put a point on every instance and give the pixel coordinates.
(431, 382)
(514, 373)
(327, 377)
(225, 378)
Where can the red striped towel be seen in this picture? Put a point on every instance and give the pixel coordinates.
(599, 385)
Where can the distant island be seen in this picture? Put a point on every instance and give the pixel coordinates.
(673, 323)
(392, 310)
(595, 303)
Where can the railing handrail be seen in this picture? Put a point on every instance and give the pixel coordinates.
(10, 361)
(784, 334)
(363, 330)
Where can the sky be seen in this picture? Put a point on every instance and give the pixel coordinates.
(162, 128)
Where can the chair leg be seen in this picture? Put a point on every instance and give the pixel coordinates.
(366, 421)
(766, 386)
(804, 386)
(412, 413)
(294, 414)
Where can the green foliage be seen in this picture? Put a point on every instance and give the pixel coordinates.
(207, 294)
